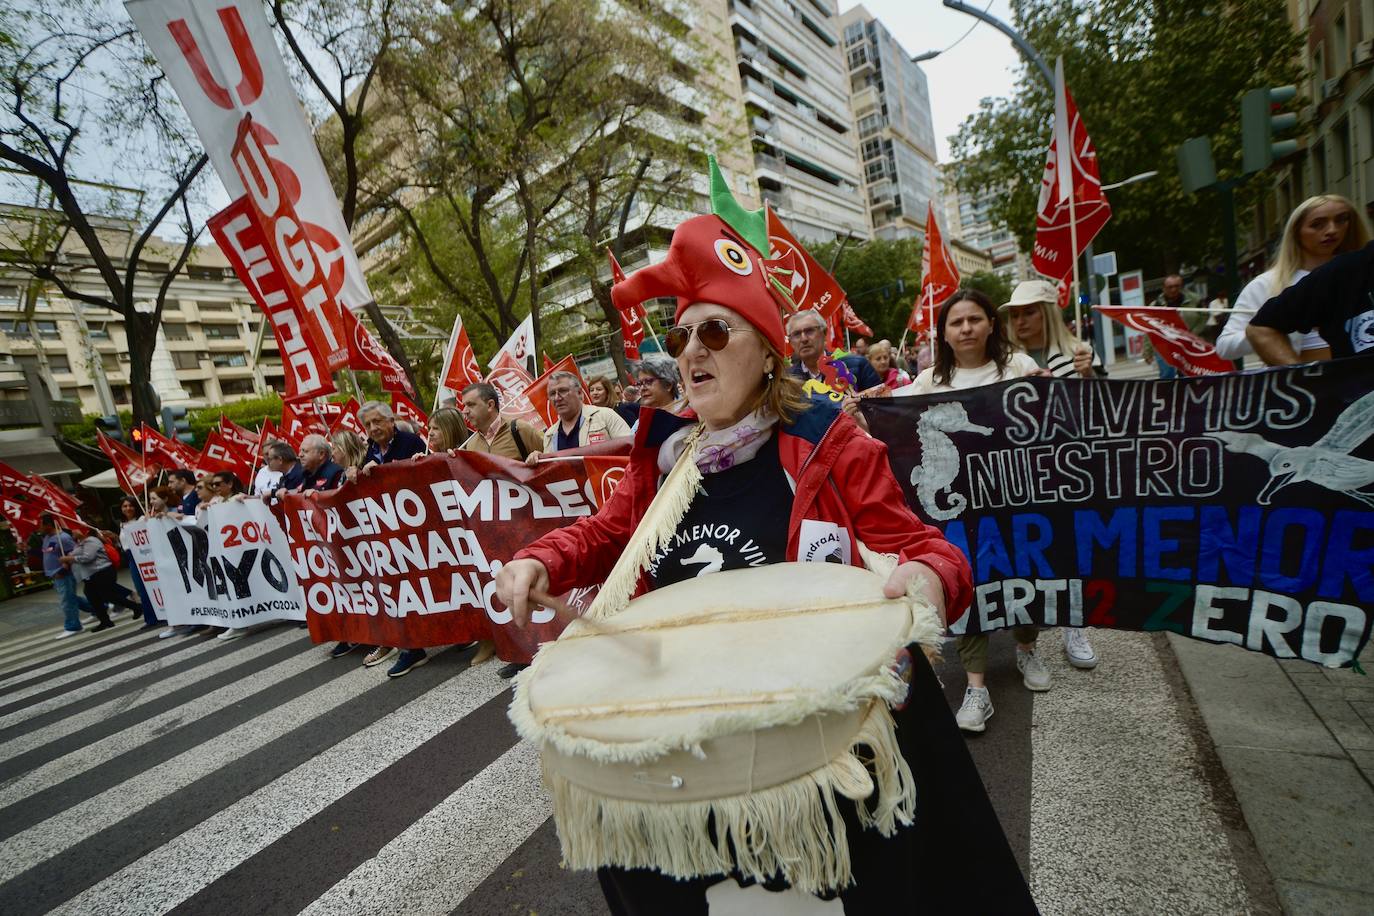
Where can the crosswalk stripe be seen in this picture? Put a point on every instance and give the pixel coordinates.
(228, 836)
(16, 645)
(77, 647)
(56, 693)
(503, 804)
(26, 676)
(27, 787)
(233, 667)
(147, 683)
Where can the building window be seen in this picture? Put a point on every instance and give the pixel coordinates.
(216, 306)
(195, 389)
(184, 359)
(230, 360)
(121, 394)
(57, 362)
(236, 386)
(99, 332)
(10, 326)
(71, 394)
(176, 331)
(47, 330)
(110, 362)
(221, 331)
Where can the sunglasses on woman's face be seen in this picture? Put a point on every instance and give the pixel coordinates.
(713, 333)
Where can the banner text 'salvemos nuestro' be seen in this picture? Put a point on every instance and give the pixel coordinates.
(1234, 509)
(407, 556)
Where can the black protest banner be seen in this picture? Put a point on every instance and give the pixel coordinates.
(1233, 509)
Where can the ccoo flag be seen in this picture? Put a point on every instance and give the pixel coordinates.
(939, 277)
(1072, 207)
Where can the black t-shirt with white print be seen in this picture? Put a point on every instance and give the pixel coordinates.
(738, 520)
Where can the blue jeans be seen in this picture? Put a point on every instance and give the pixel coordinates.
(149, 615)
(65, 586)
(1166, 371)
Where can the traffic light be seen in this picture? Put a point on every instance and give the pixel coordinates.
(136, 438)
(110, 426)
(1259, 123)
(1196, 169)
(175, 425)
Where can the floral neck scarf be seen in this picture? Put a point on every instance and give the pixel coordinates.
(724, 448)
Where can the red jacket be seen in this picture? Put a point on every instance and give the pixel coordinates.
(840, 476)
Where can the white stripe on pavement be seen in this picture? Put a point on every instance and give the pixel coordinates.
(102, 711)
(50, 837)
(503, 804)
(92, 755)
(52, 652)
(253, 823)
(84, 670)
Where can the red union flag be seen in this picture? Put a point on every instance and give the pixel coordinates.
(460, 363)
(631, 328)
(220, 454)
(244, 438)
(167, 453)
(299, 420)
(241, 237)
(221, 58)
(807, 284)
(348, 419)
(520, 346)
(23, 517)
(1071, 185)
(604, 474)
(366, 354)
(128, 467)
(853, 322)
(1172, 340)
(405, 409)
(269, 194)
(511, 381)
(939, 277)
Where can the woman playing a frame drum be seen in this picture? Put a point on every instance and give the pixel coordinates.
(772, 477)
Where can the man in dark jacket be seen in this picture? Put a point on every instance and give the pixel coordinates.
(318, 472)
(806, 332)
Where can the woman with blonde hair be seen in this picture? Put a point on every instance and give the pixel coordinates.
(348, 449)
(883, 360)
(1036, 328)
(1319, 229)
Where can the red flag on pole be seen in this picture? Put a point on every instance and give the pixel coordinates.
(366, 354)
(511, 380)
(221, 454)
(807, 283)
(939, 277)
(1072, 209)
(167, 453)
(853, 322)
(1171, 339)
(405, 409)
(460, 363)
(128, 467)
(235, 433)
(631, 328)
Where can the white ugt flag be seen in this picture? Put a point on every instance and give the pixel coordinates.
(521, 344)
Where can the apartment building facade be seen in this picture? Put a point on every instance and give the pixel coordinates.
(891, 102)
(213, 347)
(795, 85)
(1336, 108)
(969, 218)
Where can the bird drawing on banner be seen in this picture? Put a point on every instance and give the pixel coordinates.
(1326, 462)
(709, 555)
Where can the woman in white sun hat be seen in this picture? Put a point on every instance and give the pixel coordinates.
(1036, 327)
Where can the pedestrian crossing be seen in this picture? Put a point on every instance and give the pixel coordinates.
(192, 775)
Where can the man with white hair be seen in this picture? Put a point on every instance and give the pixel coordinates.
(578, 424)
(806, 331)
(386, 443)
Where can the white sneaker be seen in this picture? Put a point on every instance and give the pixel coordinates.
(1078, 649)
(977, 709)
(65, 633)
(232, 633)
(167, 632)
(1034, 674)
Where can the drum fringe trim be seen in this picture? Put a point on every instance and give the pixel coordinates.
(655, 529)
(886, 686)
(794, 830)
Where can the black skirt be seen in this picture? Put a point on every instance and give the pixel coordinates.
(954, 858)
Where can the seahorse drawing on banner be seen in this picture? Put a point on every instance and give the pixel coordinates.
(940, 457)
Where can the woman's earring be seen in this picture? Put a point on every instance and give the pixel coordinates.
(770, 375)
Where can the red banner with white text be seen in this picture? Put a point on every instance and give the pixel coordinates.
(407, 555)
(1170, 337)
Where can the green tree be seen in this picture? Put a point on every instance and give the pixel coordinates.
(993, 285)
(881, 279)
(1146, 75)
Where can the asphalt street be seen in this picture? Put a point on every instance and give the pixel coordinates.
(194, 775)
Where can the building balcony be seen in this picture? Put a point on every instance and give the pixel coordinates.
(865, 100)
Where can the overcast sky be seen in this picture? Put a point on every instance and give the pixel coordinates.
(983, 64)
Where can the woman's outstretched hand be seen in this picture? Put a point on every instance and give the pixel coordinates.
(926, 581)
(514, 583)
